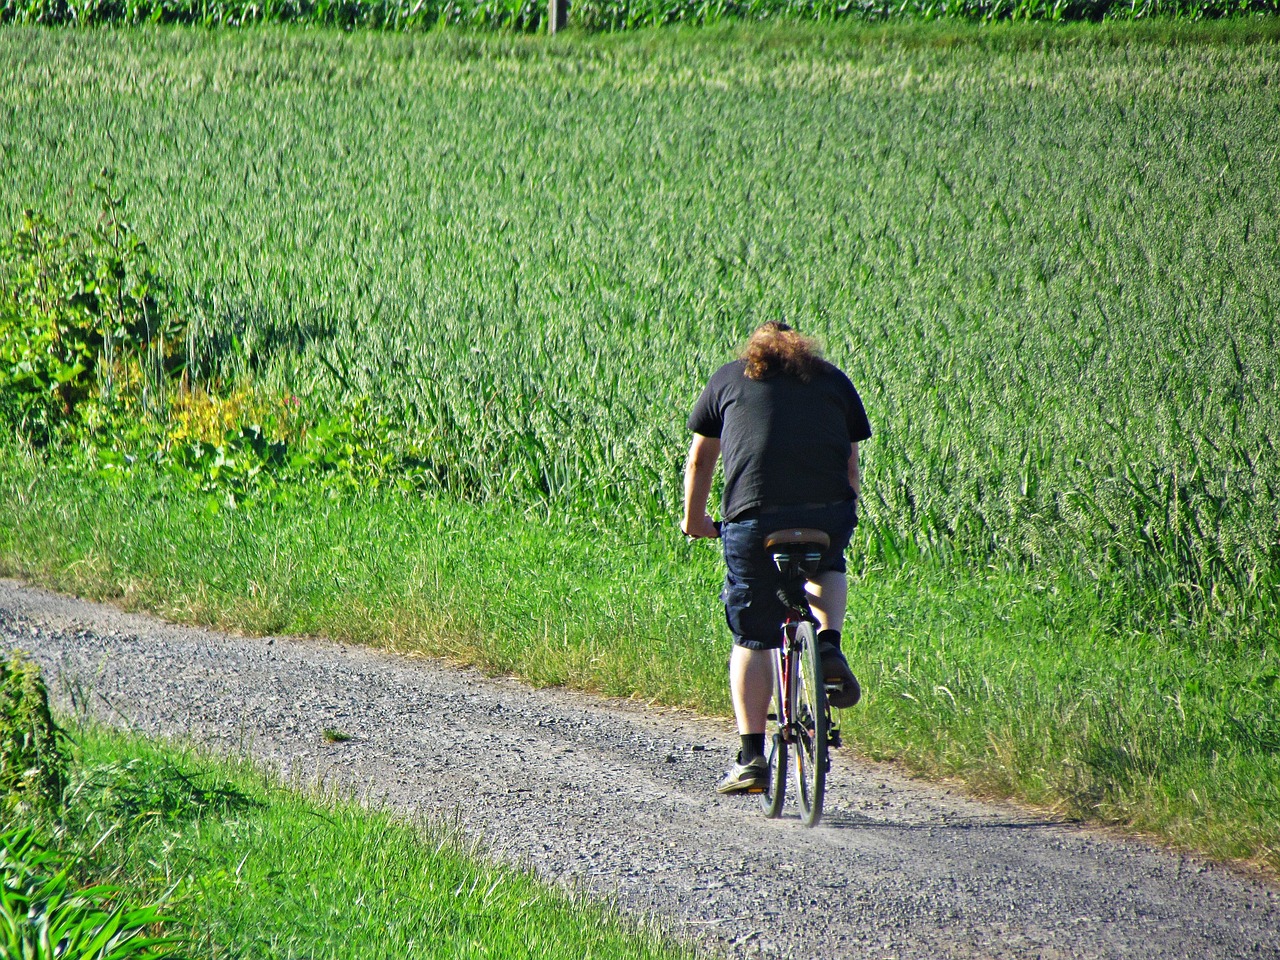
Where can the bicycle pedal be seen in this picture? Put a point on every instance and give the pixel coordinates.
(833, 738)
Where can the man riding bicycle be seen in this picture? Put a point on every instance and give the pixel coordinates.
(787, 424)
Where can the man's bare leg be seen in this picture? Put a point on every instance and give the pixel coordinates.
(751, 686)
(828, 598)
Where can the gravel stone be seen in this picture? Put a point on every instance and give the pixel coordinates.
(618, 799)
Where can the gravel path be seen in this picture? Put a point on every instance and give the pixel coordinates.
(618, 798)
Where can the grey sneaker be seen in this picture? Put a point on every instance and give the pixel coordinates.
(843, 689)
(749, 777)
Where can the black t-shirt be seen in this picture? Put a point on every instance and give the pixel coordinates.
(783, 441)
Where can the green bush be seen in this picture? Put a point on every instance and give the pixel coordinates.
(80, 311)
(33, 762)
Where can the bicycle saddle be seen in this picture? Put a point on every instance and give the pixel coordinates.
(796, 552)
(797, 537)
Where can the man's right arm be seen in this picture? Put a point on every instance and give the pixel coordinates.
(699, 469)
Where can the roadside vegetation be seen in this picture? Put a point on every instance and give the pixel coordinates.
(421, 318)
(116, 848)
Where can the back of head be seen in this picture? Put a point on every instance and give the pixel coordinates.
(775, 348)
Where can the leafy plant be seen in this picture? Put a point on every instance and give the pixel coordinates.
(45, 913)
(33, 761)
(80, 310)
(49, 340)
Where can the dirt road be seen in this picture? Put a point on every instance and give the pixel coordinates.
(620, 799)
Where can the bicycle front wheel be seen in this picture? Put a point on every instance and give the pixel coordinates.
(811, 722)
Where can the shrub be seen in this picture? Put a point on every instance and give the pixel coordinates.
(80, 311)
(33, 762)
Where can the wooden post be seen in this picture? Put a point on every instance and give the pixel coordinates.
(558, 11)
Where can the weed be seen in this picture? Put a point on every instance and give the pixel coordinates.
(80, 314)
(33, 758)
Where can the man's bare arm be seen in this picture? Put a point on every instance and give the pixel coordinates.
(699, 469)
(855, 474)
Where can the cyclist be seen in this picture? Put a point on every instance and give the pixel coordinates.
(787, 424)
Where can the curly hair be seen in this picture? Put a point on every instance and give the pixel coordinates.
(775, 348)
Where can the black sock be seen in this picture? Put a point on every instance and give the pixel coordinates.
(752, 747)
(829, 636)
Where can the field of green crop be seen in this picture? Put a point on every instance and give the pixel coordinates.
(1048, 259)
(599, 15)
(1052, 276)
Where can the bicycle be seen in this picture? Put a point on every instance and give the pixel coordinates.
(801, 719)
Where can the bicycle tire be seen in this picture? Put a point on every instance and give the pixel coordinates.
(775, 790)
(812, 719)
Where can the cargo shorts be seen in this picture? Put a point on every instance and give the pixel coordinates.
(752, 608)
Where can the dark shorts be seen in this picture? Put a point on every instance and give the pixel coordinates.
(751, 605)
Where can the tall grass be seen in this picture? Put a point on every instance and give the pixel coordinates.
(1020, 684)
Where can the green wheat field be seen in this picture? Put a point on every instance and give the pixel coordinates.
(1048, 257)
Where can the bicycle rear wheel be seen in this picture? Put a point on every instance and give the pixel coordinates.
(775, 790)
(812, 720)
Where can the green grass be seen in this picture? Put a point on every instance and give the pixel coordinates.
(244, 866)
(1019, 684)
(1045, 256)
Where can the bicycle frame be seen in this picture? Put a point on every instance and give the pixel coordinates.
(784, 666)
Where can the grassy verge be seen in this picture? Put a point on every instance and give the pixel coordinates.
(1024, 687)
(245, 867)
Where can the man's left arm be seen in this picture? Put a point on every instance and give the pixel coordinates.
(855, 474)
